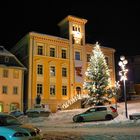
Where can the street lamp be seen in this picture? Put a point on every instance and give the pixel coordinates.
(122, 63)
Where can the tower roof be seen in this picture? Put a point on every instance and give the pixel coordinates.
(73, 19)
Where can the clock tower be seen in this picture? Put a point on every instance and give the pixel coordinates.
(73, 28)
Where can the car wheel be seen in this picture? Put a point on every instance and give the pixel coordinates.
(109, 117)
(2, 138)
(74, 119)
(80, 119)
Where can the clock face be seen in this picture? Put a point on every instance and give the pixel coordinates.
(77, 34)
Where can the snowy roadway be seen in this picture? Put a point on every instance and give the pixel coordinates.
(59, 126)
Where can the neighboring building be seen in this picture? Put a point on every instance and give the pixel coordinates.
(11, 81)
(56, 65)
(134, 74)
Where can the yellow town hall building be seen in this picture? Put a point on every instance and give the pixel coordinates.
(56, 65)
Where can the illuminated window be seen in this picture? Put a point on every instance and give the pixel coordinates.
(39, 89)
(52, 52)
(77, 55)
(14, 106)
(63, 53)
(4, 90)
(88, 57)
(52, 90)
(16, 74)
(52, 71)
(64, 90)
(40, 50)
(1, 107)
(5, 73)
(64, 72)
(15, 90)
(40, 69)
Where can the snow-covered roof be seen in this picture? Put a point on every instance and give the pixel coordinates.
(56, 37)
(8, 59)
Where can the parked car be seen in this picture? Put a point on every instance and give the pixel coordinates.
(16, 113)
(134, 116)
(97, 113)
(12, 129)
(38, 111)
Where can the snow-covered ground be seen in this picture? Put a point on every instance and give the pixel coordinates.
(62, 121)
(65, 116)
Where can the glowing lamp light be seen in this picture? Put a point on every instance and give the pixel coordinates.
(123, 77)
(125, 62)
(122, 58)
(120, 63)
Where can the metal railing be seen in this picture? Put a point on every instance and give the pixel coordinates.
(73, 100)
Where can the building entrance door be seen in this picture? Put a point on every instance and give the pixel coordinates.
(1, 107)
(78, 90)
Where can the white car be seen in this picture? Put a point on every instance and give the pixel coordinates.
(12, 129)
(96, 113)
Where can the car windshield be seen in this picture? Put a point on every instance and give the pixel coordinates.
(8, 120)
(90, 110)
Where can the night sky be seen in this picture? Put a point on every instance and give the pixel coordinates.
(112, 24)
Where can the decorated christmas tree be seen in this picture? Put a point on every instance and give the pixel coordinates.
(97, 78)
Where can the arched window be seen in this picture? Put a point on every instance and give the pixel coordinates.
(78, 90)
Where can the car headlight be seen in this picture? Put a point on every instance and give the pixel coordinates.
(20, 134)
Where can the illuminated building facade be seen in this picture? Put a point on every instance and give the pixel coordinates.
(56, 65)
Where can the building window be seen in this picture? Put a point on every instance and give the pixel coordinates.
(52, 52)
(52, 71)
(5, 73)
(64, 90)
(15, 90)
(40, 50)
(73, 27)
(79, 29)
(4, 90)
(16, 74)
(88, 57)
(39, 89)
(107, 61)
(77, 55)
(52, 90)
(64, 54)
(14, 106)
(40, 69)
(6, 59)
(64, 72)
(76, 28)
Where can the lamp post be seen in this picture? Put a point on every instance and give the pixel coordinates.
(122, 63)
